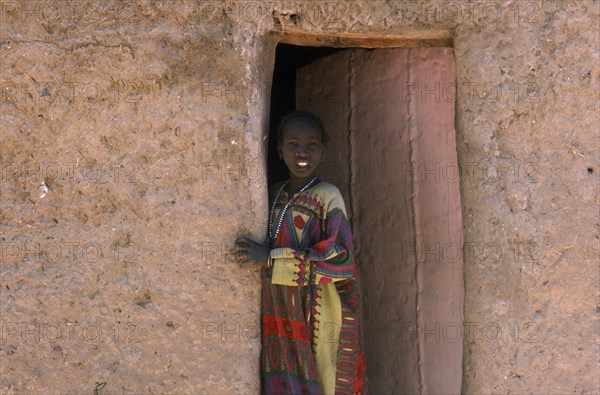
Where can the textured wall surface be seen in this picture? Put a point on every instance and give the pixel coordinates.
(132, 155)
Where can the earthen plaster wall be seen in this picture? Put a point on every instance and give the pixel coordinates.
(132, 151)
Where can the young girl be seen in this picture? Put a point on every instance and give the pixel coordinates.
(311, 340)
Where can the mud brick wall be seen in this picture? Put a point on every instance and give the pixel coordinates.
(132, 151)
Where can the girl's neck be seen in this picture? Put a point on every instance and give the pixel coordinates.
(296, 184)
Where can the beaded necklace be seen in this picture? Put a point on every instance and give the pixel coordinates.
(272, 235)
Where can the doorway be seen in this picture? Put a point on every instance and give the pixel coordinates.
(390, 115)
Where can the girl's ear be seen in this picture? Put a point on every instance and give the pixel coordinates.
(279, 152)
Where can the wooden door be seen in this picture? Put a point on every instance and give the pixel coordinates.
(390, 116)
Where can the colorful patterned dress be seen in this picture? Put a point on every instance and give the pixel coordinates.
(311, 339)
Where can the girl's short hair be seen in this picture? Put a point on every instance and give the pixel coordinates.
(302, 117)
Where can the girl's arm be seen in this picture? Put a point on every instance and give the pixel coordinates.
(248, 251)
(331, 259)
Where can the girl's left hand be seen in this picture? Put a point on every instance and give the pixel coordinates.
(249, 251)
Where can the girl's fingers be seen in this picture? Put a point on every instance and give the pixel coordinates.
(245, 261)
(242, 249)
(241, 242)
(245, 254)
(245, 240)
(246, 250)
(242, 255)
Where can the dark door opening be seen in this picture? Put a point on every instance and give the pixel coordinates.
(288, 59)
(390, 116)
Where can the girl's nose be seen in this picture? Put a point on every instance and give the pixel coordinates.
(300, 150)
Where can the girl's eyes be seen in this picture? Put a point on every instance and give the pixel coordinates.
(310, 145)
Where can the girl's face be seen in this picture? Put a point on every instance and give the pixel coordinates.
(301, 149)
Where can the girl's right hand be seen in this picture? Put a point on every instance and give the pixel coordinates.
(248, 251)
